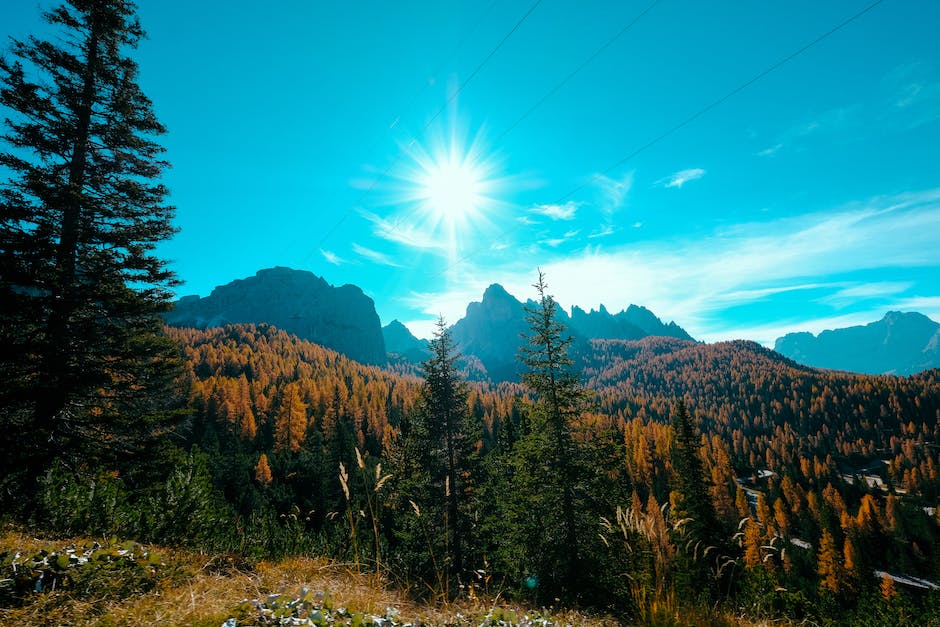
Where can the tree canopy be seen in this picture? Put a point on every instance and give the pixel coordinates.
(86, 371)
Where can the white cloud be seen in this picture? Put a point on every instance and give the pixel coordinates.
(375, 256)
(332, 257)
(566, 211)
(423, 329)
(682, 177)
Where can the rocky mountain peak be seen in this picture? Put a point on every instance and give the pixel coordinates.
(297, 301)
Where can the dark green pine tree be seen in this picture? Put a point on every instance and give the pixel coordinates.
(438, 466)
(85, 371)
(701, 533)
(551, 516)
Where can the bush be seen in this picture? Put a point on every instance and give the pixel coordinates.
(95, 570)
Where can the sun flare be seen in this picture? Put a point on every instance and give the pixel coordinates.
(452, 189)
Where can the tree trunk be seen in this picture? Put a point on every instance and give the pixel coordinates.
(56, 365)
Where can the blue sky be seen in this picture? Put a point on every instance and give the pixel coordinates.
(317, 135)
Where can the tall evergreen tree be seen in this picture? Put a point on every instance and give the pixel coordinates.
(84, 369)
(701, 532)
(439, 445)
(691, 481)
(552, 520)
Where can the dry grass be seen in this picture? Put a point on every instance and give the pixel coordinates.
(199, 589)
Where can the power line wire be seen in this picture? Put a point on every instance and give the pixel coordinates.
(479, 67)
(448, 59)
(437, 114)
(725, 97)
(699, 113)
(578, 69)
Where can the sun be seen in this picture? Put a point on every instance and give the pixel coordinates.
(452, 189)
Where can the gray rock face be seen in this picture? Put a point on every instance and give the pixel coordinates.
(296, 301)
(400, 341)
(900, 343)
(492, 330)
(632, 324)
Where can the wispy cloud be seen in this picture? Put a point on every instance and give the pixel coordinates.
(910, 83)
(613, 191)
(767, 152)
(914, 92)
(910, 97)
(695, 281)
(751, 295)
(332, 257)
(403, 232)
(682, 177)
(565, 211)
(604, 231)
(363, 183)
(375, 256)
(866, 291)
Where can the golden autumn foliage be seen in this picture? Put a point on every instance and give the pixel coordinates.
(888, 591)
(263, 471)
(290, 423)
(829, 564)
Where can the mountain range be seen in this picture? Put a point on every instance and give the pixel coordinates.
(344, 319)
(489, 335)
(900, 343)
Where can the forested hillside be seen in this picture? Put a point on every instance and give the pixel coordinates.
(803, 468)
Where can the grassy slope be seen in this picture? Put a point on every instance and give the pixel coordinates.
(197, 589)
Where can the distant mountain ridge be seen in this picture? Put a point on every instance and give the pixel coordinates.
(344, 319)
(296, 301)
(634, 323)
(399, 341)
(492, 328)
(490, 331)
(900, 343)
